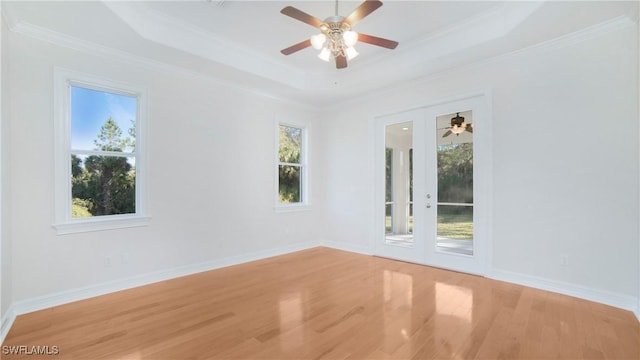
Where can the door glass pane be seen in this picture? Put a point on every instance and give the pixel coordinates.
(455, 229)
(399, 184)
(388, 192)
(455, 183)
(410, 204)
(455, 173)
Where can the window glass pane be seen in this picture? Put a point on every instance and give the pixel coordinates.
(289, 184)
(102, 121)
(290, 144)
(102, 185)
(455, 173)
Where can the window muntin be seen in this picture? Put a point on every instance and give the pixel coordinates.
(291, 165)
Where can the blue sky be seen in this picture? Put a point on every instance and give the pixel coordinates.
(90, 109)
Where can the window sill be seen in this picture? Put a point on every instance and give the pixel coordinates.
(101, 224)
(292, 208)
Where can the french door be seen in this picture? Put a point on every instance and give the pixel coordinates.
(432, 185)
(398, 235)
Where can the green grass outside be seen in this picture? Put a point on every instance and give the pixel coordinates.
(455, 225)
(450, 225)
(79, 209)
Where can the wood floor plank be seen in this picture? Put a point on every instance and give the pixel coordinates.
(321, 304)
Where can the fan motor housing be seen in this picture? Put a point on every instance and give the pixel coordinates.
(334, 19)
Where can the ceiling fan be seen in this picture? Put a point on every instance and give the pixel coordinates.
(458, 126)
(336, 39)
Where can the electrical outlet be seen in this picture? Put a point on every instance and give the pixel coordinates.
(107, 262)
(564, 260)
(125, 258)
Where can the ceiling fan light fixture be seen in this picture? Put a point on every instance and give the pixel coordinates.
(318, 40)
(351, 53)
(458, 129)
(325, 54)
(350, 38)
(336, 39)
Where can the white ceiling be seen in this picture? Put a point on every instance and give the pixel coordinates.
(240, 41)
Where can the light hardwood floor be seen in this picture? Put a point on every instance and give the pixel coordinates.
(328, 304)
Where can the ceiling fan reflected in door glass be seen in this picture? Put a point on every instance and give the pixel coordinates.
(458, 126)
(336, 38)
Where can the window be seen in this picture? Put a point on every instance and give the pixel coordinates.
(292, 169)
(98, 154)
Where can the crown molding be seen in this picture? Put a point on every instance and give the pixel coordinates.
(172, 32)
(612, 25)
(489, 25)
(417, 63)
(615, 24)
(92, 48)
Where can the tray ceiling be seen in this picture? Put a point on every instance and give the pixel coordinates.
(240, 41)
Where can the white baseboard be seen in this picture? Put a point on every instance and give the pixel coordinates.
(42, 302)
(358, 249)
(8, 317)
(618, 300)
(622, 301)
(68, 296)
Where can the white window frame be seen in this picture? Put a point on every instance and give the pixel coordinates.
(64, 79)
(305, 194)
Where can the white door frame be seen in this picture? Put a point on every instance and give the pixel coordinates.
(425, 253)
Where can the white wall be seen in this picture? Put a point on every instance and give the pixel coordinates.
(565, 177)
(565, 158)
(2, 310)
(211, 176)
(638, 84)
(5, 244)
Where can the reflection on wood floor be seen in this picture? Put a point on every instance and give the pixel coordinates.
(328, 304)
